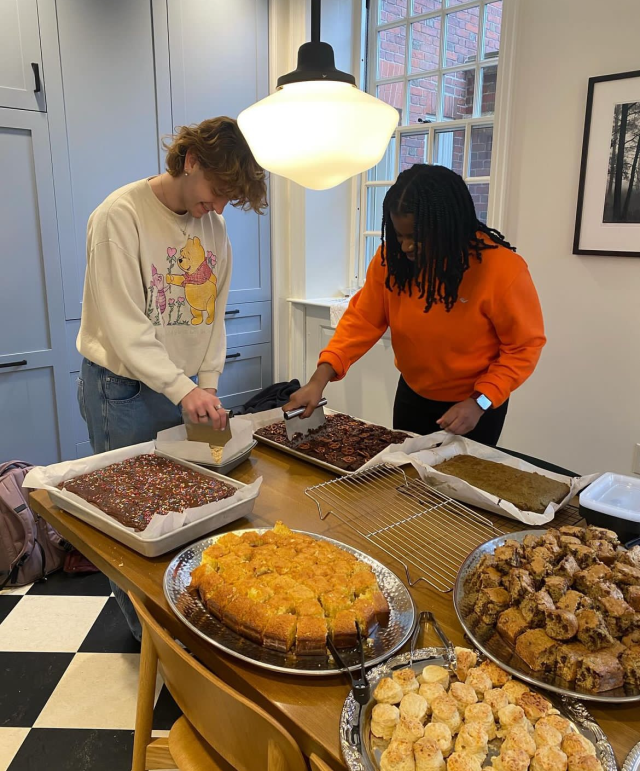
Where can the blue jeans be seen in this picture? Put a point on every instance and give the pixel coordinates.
(119, 412)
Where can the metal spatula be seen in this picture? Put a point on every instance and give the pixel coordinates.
(216, 438)
(297, 425)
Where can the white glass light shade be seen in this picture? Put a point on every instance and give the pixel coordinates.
(318, 133)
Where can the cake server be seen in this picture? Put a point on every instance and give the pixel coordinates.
(297, 425)
(205, 432)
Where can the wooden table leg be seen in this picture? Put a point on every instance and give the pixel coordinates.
(146, 696)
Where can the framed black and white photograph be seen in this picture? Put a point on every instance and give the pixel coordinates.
(608, 215)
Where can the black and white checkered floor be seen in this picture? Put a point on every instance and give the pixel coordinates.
(68, 678)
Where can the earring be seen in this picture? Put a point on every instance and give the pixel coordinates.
(186, 173)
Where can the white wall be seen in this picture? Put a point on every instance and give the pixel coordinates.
(581, 409)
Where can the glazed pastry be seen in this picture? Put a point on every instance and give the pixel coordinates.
(514, 690)
(481, 713)
(428, 755)
(384, 719)
(408, 729)
(406, 679)
(464, 695)
(549, 758)
(537, 649)
(511, 624)
(479, 680)
(430, 691)
(584, 763)
(441, 734)
(473, 739)
(561, 724)
(496, 698)
(511, 760)
(388, 691)
(461, 761)
(465, 660)
(545, 735)
(413, 706)
(512, 716)
(435, 674)
(398, 757)
(496, 674)
(519, 738)
(445, 710)
(576, 744)
(534, 705)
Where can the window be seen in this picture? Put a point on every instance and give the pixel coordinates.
(436, 62)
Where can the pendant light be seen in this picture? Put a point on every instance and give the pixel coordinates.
(318, 128)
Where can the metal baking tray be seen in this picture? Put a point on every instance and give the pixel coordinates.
(336, 470)
(231, 463)
(379, 646)
(497, 649)
(154, 547)
(632, 762)
(361, 750)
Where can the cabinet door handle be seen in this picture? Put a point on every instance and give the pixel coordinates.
(234, 312)
(36, 76)
(21, 363)
(231, 356)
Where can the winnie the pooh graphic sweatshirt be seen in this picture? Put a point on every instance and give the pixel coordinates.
(155, 292)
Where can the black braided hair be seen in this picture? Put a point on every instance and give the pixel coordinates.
(445, 234)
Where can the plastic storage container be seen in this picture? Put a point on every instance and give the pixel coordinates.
(613, 501)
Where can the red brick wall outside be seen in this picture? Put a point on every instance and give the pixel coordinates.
(461, 48)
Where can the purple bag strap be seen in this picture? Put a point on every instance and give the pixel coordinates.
(4, 467)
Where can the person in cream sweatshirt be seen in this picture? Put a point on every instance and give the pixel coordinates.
(159, 265)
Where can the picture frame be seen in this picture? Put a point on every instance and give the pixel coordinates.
(608, 207)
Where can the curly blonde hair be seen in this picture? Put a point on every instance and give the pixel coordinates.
(226, 159)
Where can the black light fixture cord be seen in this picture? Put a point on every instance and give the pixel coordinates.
(315, 21)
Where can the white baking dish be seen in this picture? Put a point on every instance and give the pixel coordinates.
(176, 529)
(613, 501)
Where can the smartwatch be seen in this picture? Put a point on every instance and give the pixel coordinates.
(482, 401)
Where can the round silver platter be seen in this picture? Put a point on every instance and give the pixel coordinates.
(362, 751)
(632, 763)
(492, 645)
(379, 646)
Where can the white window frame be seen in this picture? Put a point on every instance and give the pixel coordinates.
(370, 18)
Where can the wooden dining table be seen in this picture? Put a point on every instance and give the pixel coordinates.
(308, 707)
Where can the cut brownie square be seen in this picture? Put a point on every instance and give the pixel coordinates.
(567, 567)
(599, 672)
(626, 574)
(632, 596)
(561, 624)
(567, 660)
(508, 556)
(557, 587)
(593, 533)
(573, 531)
(365, 614)
(592, 631)
(511, 624)
(520, 585)
(631, 664)
(490, 603)
(583, 555)
(535, 606)
(537, 650)
(575, 601)
(585, 580)
(605, 551)
(619, 616)
(605, 589)
(311, 636)
(631, 557)
(539, 568)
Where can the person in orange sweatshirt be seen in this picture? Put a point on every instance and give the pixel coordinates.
(465, 319)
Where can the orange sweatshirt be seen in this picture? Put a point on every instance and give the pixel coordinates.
(489, 342)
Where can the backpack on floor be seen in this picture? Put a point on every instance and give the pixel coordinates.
(30, 548)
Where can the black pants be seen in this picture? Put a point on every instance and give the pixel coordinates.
(412, 412)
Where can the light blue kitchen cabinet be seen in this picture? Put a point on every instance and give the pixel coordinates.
(34, 407)
(21, 75)
(219, 60)
(247, 371)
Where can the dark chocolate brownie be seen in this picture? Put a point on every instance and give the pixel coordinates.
(134, 490)
(343, 441)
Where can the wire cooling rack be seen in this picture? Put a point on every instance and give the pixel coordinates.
(426, 531)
